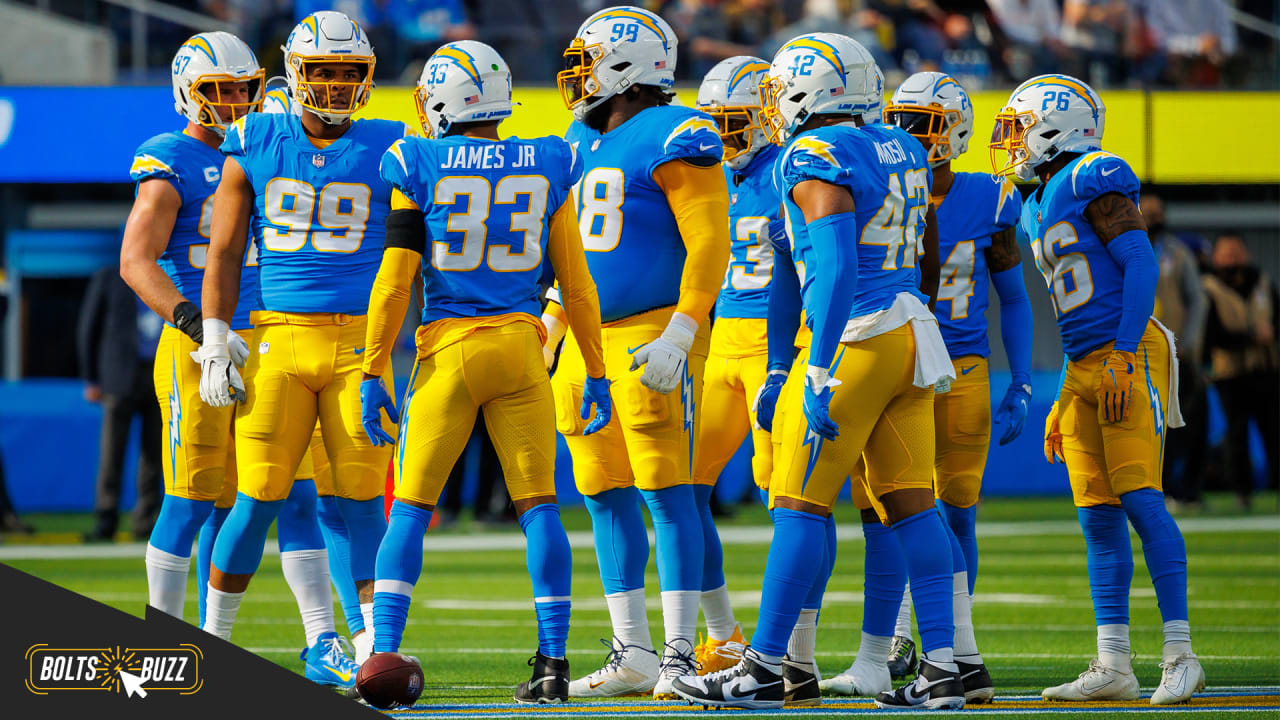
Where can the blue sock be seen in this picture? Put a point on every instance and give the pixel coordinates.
(677, 531)
(622, 545)
(813, 601)
(713, 552)
(962, 522)
(399, 565)
(177, 524)
(957, 553)
(366, 524)
(764, 496)
(551, 570)
(884, 580)
(338, 544)
(1110, 558)
(204, 551)
(789, 574)
(1163, 548)
(238, 549)
(929, 570)
(297, 527)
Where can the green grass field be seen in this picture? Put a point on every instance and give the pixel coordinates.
(472, 623)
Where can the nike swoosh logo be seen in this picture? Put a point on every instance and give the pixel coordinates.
(545, 679)
(965, 371)
(1105, 173)
(346, 676)
(359, 351)
(706, 147)
(595, 684)
(731, 688)
(632, 351)
(918, 697)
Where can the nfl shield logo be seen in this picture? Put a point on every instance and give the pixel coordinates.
(317, 160)
(595, 145)
(733, 199)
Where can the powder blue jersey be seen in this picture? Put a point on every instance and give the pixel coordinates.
(488, 207)
(885, 170)
(1085, 283)
(633, 245)
(976, 207)
(193, 169)
(319, 214)
(755, 221)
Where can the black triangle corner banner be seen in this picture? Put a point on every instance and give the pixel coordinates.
(63, 654)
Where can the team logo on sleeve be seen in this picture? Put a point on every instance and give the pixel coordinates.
(817, 147)
(146, 164)
(693, 125)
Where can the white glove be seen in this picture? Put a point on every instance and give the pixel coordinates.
(238, 348)
(220, 383)
(555, 333)
(664, 358)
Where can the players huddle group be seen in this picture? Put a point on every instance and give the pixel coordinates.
(847, 267)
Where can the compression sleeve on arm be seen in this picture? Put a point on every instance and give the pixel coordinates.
(388, 302)
(578, 299)
(784, 311)
(835, 277)
(1015, 321)
(1132, 251)
(699, 199)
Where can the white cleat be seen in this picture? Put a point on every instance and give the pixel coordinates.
(1097, 683)
(860, 680)
(678, 660)
(628, 670)
(1181, 678)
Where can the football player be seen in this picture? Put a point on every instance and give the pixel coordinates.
(867, 380)
(309, 183)
(652, 207)
(477, 215)
(1091, 245)
(216, 80)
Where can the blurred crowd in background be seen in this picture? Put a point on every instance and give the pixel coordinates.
(985, 43)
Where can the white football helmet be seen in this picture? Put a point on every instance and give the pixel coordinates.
(615, 49)
(1046, 116)
(206, 60)
(328, 37)
(934, 108)
(820, 74)
(464, 81)
(730, 94)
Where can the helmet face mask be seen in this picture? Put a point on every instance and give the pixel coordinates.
(615, 49)
(328, 38)
(215, 111)
(933, 108)
(206, 69)
(463, 82)
(332, 96)
(1008, 144)
(730, 94)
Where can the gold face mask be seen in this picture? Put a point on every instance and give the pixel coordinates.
(332, 96)
(577, 81)
(770, 118)
(206, 93)
(736, 124)
(930, 125)
(1008, 140)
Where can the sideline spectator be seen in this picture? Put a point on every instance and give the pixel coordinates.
(1192, 39)
(1030, 27)
(1094, 31)
(848, 17)
(718, 30)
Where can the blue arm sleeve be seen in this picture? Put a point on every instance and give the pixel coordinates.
(1015, 322)
(835, 277)
(1137, 260)
(784, 311)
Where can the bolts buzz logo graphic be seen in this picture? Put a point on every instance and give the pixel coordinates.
(132, 672)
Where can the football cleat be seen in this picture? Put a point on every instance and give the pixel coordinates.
(628, 670)
(902, 658)
(800, 685)
(549, 684)
(1097, 683)
(716, 655)
(978, 688)
(328, 664)
(860, 680)
(1181, 678)
(749, 684)
(677, 661)
(935, 688)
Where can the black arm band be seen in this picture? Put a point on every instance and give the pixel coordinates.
(407, 229)
(187, 318)
(702, 160)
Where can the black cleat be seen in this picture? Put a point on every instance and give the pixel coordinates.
(549, 684)
(749, 684)
(902, 658)
(935, 688)
(799, 685)
(978, 688)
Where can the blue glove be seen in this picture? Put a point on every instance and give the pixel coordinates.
(373, 399)
(595, 391)
(767, 399)
(1013, 411)
(817, 402)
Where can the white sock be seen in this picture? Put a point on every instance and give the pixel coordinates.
(942, 656)
(363, 643)
(1177, 639)
(220, 610)
(167, 580)
(966, 643)
(366, 612)
(873, 650)
(771, 662)
(1113, 647)
(307, 572)
(903, 628)
(719, 613)
(626, 613)
(804, 637)
(680, 614)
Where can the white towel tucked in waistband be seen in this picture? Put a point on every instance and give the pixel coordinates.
(1173, 413)
(933, 362)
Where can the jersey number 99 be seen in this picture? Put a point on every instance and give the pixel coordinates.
(333, 219)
